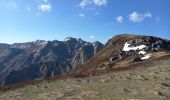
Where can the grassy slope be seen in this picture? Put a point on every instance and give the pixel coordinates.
(148, 82)
(114, 45)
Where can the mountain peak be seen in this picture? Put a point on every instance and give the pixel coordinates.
(42, 58)
(126, 35)
(69, 38)
(124, 49)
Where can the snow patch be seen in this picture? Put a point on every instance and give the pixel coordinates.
(66, 39)
(42, 43)
(75, 61)
(140, 47)
(127, 48)
(142, 52)
(146, 57)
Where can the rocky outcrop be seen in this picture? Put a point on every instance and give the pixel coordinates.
(123, 50)
(22, 62)
(153, 44)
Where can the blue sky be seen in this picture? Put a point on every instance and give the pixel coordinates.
(91, 20)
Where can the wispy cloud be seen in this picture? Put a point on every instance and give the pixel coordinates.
(91, 37)
(100, 2)
(45, 7)
(119, 19)
(148, 14)
(28, 8)
(85, 3)
(137, 17)
(82, 15)
(97, 13)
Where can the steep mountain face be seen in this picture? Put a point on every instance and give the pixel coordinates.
(22, 62)
(122, 51)
(3, 46)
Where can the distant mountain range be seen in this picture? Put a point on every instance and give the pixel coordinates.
(21, 62)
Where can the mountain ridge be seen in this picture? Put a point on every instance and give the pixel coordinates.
(112, 55)
(40, 59)
(45, 59)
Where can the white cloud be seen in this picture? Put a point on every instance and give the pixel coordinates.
(85, 3)
(92, 37)
(28, 8)
(45, 7)
(137, 17)
(148, 14)
(119, 19)
(100, 2)
(82, 15)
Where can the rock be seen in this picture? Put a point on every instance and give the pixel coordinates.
(106, 63)
(104, 80)
(78, 80)
(126, 90)
(144, 78)
(129, 78)
(137, 59)
(113, 58)
(91, 94)
(160, 93)
(165, 84)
